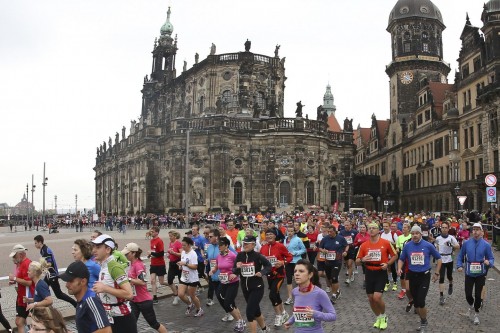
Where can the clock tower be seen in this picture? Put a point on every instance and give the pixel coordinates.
(416, 28)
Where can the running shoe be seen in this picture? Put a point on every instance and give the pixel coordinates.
(328, 290)
(441, 300)
(189, 309)
(199, 313)
(383, 323)
(377, 323)
(176, 300)
(469, 313)
(227, 317)
(394, 287)
(356, 270)
(423, 327)
(387, 285)
(347, 281)
(450, 289)
(476, 318)
(333, 299)
(210, 302)
(155, 300)
(352, 277)
(402, 294)
(409, 306)
(277, 320)
(284, 317)
(240, 326)
(289, 301)
(338, 294)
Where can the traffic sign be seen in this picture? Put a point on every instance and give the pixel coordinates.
(461, 199)
(490, 180)
(491, 194)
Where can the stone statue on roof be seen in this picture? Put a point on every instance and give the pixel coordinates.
(276, 50)
(298, 111)
(248, 45)
(212, 49)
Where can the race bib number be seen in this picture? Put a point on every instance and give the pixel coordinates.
(375, 255)
(312, 245)
(331, 255)
(134, 292)
(248, 269)
(475, 268)
(417, 258)
(273, 260)
(301, 317)
(213, 263)
(425, 233)
(185, 276)
(224, 278)
(322, 256)
(348, 239)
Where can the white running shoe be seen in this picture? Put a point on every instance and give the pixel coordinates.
(284, 316)
(289, 301)
(328, 290)
(227, 317)
(176, 300)
(277, 320)
(210, 302)
(199, 313)
(476, 319)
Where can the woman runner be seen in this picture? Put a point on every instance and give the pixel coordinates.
(189, 277)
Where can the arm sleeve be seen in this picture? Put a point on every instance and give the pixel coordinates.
(328, 313)
(460, 257)
(489, 256)
(157, 254)
(97, 313)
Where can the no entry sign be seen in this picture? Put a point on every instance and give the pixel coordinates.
(490, 180)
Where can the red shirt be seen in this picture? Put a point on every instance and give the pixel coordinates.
(360, 239)
(312, 239)
(276, 251)
(176, 247)
(157, 246)
(22, 273)
(379, 251)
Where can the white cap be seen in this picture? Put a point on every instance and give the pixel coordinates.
(17, 248)
(105, 239)
(477, 225)
(130, 247)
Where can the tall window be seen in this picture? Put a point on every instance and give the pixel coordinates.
(261, 101)
(202, 103)
(310, 193)
(333, 194)
(284, 193)
(238, 193)
(407, 47)
(227, 98)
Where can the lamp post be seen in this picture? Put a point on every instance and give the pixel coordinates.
(33, 186)
(45, 184)
(27, 207)
(76, 205)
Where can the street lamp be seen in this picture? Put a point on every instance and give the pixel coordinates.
(45, 184)
(33, 186)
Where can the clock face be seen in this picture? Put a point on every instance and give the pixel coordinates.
(406, 77)
(443, 79)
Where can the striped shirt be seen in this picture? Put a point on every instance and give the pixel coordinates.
(90, 314)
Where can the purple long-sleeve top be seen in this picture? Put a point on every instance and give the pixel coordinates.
(318, 300)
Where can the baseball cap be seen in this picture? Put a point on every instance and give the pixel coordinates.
(76, 269)
(249, 239)
(130, 247)
(105, 239)
(475, 225)
(416, 228)
(17, 248)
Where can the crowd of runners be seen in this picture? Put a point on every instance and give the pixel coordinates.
(251, 253)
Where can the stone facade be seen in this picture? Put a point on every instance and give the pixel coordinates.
(226, 114)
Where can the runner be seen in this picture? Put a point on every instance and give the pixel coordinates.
(251, 266)
(279, 257)
(41, 297)
(52, 276)
(312, 250)
(113, 287)
(377, 254)
(445, 245)
(349, 234)
(418, 253)
(82, 251)
(402, 240)
(22, 281)
(392, 237)
(157, 264)
(321, 256)
(228, 290)
(333, 247)
(212, 252)
(142, 301)
(90, 314)
(477, 255)
(174, 256)
(295, 246)
(189, 278)
(361, 237)
(312, 305)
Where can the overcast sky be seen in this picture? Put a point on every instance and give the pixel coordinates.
(71, 71)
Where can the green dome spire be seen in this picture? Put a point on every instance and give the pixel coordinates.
(167, 28)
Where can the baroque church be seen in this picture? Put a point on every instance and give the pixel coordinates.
(215, 136)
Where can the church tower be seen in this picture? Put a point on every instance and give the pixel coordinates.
(328, 105)
(416, 28)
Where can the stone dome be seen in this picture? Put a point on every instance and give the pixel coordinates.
(492, 6)
(416, 8)
(167, 28)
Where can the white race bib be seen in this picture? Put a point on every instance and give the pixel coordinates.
(425, 233)
(224, 278)
(375, 255)
(213, 263)
(301, 317)
(248, 269)
(475, 268)
(273, 260)
(348, 239)
(185, 275)
(417, 258)
(331, 255)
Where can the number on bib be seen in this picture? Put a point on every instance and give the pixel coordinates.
(331, 255)
(375, 255)
(248, 269)
(417, 258)
(475, 268)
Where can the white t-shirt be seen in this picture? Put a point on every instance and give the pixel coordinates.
(189, 275)
(389, 237)
(444, 249)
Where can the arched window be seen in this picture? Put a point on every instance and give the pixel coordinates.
(284, 193)
(333, 194)
(238, 193)
(227, 99)
(310, 193)
(202, 103)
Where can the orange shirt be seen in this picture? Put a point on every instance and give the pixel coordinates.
(233, 234)
(379, 253)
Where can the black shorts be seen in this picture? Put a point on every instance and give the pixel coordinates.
(375, 280)
(21, 311)
(173, 271)
(321, 266)
(351, 254)
(158, 270)
(332, 270)
(190, 284)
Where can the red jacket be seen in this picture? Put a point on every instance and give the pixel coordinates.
(280, 252)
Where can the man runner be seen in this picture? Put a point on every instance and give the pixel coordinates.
(445, 244)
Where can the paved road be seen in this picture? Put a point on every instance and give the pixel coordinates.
(352, 309)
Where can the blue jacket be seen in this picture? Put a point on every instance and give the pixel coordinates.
(296, 248)
(419, 255)
(475, 251)
(212, 253)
